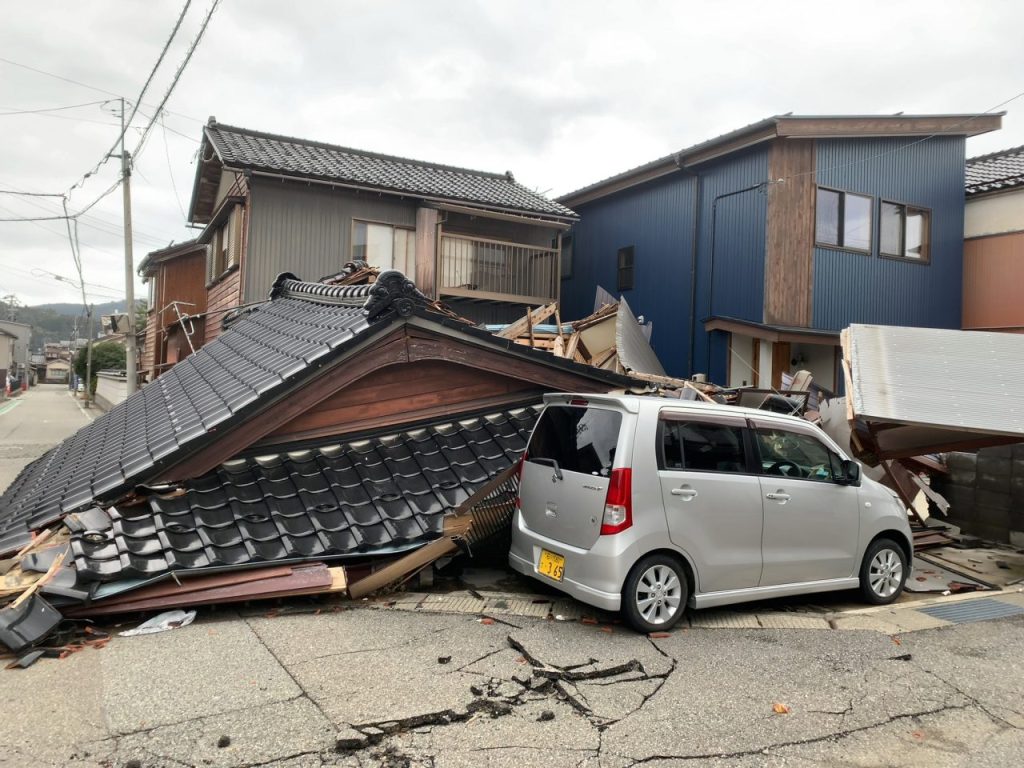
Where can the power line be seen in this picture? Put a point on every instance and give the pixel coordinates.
(7, 111)
(126, 124)
(84, 85)
(177, 76)
(170, 171)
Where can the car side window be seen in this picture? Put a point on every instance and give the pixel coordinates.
(792, 454)
(702, 447)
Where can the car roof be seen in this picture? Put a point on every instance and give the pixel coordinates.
(634, 403)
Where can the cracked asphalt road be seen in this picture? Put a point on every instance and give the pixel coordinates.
(403, 689)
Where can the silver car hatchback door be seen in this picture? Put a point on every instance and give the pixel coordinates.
(567, 472)
(712, 500)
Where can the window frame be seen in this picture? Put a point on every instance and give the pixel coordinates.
(667, 417)
(763, 427)
(841, 224)
(355, 220)
(926, 238)
(623, 269)
(565, 256)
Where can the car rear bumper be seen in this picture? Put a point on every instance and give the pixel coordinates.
(593, 576)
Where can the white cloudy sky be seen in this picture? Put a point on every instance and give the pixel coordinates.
(562, 93)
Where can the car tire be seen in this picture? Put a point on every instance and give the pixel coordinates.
(655, 594)
(883, 572)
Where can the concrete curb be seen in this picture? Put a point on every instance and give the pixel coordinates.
(888, 619)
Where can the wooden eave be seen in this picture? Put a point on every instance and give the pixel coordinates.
(790, 127)
(204, 191)
(773, 333)
(404, 341)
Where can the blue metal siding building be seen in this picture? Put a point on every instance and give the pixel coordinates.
(725, 246)
(856, 288)
(657, 219)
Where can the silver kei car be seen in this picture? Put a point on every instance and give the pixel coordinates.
(648, 505)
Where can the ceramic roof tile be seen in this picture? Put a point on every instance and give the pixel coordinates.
(331, 501)
(242, 148)
(122, 447)
(995, 171)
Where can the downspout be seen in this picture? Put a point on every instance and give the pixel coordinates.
(694, 244)
(711, 266)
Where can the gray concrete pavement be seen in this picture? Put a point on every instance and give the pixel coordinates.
(398, 688)
(483, 679)
(32, 423)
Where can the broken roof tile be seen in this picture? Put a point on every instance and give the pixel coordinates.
(264, 508)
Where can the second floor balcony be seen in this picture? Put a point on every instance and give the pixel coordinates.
(496, 270)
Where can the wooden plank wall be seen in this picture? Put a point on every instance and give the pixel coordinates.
(405, 392)
(789, 251)
(226, 293)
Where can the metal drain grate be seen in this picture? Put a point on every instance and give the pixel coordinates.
(972, 610)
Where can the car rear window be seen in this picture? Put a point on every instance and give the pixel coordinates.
(579, 439)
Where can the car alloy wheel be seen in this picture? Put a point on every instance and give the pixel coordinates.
(659, 595)
(885, 573)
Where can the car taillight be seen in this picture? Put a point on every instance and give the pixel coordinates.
(618, 504)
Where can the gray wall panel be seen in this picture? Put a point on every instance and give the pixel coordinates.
(307, 229)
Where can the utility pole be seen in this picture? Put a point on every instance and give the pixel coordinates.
(88, 356)
(129, 264)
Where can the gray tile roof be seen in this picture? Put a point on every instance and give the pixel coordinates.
(367, 495)
(264, 352)
(995, 171)
(245, 149)
(267, 351)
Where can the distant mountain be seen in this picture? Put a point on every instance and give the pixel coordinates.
(59, 321)
(74, 310)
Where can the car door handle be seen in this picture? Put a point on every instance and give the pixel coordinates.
(686, 493)
(778, 496)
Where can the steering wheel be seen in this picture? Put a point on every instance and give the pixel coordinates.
(779, 468)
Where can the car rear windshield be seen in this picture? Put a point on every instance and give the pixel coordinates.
(579, 439)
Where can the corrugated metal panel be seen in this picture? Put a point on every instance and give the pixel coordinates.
(634, 351)
(307, 230)
(962, 380)
(730, 272)
(656, 219)
(857, 288)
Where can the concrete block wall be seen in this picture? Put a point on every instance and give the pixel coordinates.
(985, 491)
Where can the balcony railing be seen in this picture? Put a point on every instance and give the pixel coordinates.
(500, 271)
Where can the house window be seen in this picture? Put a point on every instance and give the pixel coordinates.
(565, 267)
(905, 232)
(843, 220)
(384, 246)
(626, 262)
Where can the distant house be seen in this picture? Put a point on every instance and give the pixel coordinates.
(994, 242)
(484, 243)
(21, 358)
(7, 364)
(176, 321)
(57, 372)
(751, 251)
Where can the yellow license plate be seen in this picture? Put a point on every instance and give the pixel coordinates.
(551, 565)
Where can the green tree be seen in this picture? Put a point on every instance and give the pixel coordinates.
(141, 314)
(107, 355)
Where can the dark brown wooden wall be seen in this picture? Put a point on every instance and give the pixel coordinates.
(405, 392)
(406, 376)
(789, 253)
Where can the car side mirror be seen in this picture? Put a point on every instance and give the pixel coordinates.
(851, 472)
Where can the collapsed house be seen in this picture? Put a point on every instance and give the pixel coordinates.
(331, 423)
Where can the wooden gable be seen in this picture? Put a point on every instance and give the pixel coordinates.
(408, 375)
